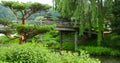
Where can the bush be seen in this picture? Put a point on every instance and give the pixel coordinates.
(99, 50)
(35, 53)
(65, 46)
(112, 40)
(5, 40)
(116, 12)
(50, 38)
(5, 22)
(68, 45)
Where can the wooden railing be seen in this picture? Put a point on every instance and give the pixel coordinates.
(58, 23)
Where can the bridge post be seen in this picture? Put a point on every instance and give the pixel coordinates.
(76, 39)
(60, 40)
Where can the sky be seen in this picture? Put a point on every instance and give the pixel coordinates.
(41, 1)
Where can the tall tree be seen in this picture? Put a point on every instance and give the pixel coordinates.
(25, 9)
(89, 14)
(116, 12)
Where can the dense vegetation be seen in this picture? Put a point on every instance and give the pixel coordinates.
(116, 13)
(90, 14)
(35, 53)
(93, 16)
(25, 9)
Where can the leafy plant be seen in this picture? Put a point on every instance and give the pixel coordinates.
(112, 40)
(68, 45)
(116, 13)
(5, 40)
(36, 53)
(50, 38)
(100, 50)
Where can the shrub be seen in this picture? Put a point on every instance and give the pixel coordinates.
(5, 21)
(116, 12)
(112, 40)
(99, 50)
(68, 45)
(5, 40)
(35, 53)
(65, 46)
(50, 38)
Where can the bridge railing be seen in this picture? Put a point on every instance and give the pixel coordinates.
(58, 23)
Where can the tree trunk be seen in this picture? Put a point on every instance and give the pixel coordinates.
(23, 20)
(100, 22)
(21, 38)
(20, 41)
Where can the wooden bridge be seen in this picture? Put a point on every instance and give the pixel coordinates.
(66, 26)
(62, 26)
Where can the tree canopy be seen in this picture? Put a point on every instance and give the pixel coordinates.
(90, 14)
(25, 9)
(116, 12)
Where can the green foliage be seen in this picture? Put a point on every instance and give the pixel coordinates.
(33, 30)
(100, 50)
(112, 40)
(116, 22)
(50, 39)
(36, 53)
(68, 45)
(89, 14)
(5, 40)
(89, 43)
(29, 28)
(6, 26)
(5, 22)
(39, 6)
(7, 31)
(24, 6)
(24, 10)
(20, 6)
(8, 3)
(68, 37)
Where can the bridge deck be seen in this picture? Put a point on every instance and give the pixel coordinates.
(63, 26)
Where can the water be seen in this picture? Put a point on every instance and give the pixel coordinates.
(108, 59)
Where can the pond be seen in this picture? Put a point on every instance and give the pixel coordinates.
(108, 59)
